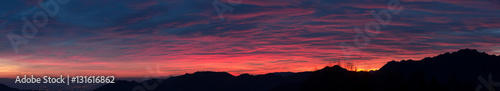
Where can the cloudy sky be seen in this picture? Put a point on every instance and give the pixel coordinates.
(124, 37)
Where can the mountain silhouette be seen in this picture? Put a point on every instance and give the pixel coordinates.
(463, 70)
(7, 88)
(216, 81)
(456, 71)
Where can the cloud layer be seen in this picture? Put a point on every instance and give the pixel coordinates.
(123, 37)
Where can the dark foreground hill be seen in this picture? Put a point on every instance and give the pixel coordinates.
(213, 81)
(458, 71)
(464, 70)
(7, 88)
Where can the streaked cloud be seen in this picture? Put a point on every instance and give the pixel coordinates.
(259, 36)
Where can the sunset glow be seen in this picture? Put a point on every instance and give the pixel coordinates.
(126, 38)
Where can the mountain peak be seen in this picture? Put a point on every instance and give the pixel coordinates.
(467, 50)
(334, 68)
(463, 53)
(212, 73)
(463, 59)
(337, 67)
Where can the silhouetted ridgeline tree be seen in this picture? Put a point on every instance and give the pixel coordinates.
(457, 71)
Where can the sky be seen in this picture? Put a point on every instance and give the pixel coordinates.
(134, 38)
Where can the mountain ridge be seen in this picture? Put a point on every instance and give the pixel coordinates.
(455, 71)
